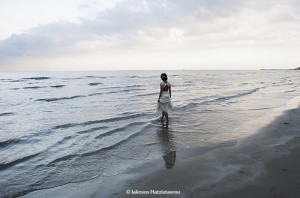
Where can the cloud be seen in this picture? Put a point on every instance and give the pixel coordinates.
(163, 25)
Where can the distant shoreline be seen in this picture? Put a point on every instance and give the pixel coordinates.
(298, 68)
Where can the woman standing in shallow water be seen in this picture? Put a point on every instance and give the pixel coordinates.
(164, 100)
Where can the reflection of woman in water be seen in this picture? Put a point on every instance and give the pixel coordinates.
(167, 144)
(164, 100)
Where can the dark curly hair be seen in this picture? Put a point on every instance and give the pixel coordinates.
(164, 76)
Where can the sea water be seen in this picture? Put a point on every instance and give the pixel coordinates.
(58, 128)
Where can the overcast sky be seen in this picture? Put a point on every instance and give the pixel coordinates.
(149, 34)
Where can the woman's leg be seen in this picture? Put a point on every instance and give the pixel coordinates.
(167, 117)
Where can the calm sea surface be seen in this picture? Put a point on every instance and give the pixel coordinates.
(65, 127)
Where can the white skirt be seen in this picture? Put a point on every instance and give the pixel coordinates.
(164, 104)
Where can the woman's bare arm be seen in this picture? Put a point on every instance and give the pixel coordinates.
(161, 90)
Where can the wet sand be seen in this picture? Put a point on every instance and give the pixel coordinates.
(265, 163)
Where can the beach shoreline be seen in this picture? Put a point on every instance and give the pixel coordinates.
(261, 164)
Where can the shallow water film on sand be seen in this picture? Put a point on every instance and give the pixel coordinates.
(68, 127)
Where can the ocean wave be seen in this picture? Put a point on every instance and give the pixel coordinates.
(189, 105)
(290, 91)
(7, 114)
(238, 74)
(9, 142)
(259, 109)
(92, 129)
(146, 94)
(20, 80)
(223, 98)
(65, 126)
(97, 151)
(133, 76)
(207, 99)
(16, 161)
(113, 119)
(124, 90)
(129, 86)
(6, 80)
(57, 99)
(36, 78)
(74, 78)
(242, 84)
(95, 94)
(117, 143)
(118, 129)
(61, 159)
(64, 140)
(57, 86)
(95, 84)
(94, 77)
(34, 87)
